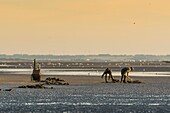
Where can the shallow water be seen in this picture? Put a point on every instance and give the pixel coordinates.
(105, 98)
(88, 72)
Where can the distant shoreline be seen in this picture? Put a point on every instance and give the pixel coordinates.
(85, 58)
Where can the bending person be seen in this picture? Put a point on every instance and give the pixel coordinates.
(107, 71)
(125, 73)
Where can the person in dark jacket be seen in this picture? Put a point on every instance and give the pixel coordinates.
(107, 71)
(125, 73)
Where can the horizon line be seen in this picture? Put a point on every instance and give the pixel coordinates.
(88, 54)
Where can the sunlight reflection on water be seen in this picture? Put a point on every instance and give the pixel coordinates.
(78, 72)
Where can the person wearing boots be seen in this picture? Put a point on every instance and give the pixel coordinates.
(125, 73)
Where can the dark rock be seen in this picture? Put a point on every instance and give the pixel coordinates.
(134, 81)
(54, 81)
(36, 86)
(65, 83)
(22, 87)
(7, 89)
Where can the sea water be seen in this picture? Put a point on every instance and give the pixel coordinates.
(102, 98)
(105, 98)
(86, 72)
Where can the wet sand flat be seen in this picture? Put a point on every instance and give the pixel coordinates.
(8, 79)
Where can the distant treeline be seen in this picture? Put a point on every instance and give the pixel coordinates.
(100, 57)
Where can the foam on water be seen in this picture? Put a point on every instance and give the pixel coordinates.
(154, 104)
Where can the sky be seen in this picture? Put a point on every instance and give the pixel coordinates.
(74, 27)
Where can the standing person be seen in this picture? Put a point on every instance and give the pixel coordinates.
(107, 71)
(125, 73)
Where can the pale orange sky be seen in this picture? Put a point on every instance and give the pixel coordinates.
(84, 27)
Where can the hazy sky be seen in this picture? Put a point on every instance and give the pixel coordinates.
(84, 27)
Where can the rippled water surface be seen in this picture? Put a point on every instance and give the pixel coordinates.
(105, 98)
(88, 72)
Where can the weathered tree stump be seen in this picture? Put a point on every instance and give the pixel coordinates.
(36, 75)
